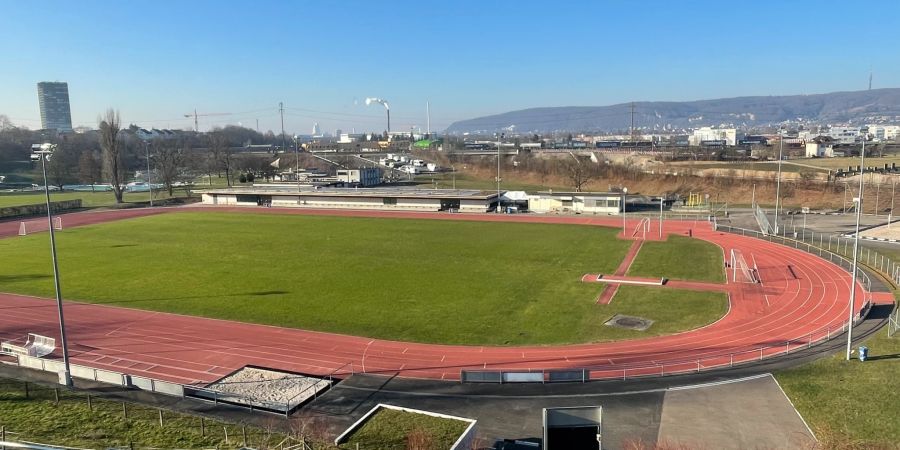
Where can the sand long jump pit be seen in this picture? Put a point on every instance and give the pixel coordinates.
(265, 389)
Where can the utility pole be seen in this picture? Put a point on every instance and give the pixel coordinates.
(862, 169)
(283, 142)
(632, 121)
(428, 118)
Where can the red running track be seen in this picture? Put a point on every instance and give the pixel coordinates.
(784, 313)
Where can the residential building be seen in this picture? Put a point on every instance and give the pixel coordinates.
(844, 135)
(53, 97)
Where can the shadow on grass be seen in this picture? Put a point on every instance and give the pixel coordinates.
(23, 277)
(192, 297)
(880, 357)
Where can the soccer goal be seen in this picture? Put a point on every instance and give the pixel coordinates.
(739, 265)
(642, 228)
(36, 226)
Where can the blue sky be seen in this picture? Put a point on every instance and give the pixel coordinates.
(155, 61)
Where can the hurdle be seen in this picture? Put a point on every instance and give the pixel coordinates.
(36, 226)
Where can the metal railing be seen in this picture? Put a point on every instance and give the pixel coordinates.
(724, 359)
(175, 389)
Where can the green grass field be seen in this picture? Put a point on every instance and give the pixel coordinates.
(496, 283)
(670, 259)
(72, 422)
(398, 430)
(88, 199)
(850, 404)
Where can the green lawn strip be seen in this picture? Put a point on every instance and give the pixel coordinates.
(88, 199)
(390, 429)
(673, 310)
(680, 258)
(434, 281)
(850, 404)
(71, 422)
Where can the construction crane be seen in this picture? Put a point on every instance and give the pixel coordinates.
(195, 116)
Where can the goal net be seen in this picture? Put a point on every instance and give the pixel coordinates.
(741, 272)
(36, 226)
(642, 228)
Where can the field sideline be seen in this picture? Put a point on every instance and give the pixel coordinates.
(414, 280)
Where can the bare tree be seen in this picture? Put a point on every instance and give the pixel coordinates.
(89, 168)
(220, 154)
(169, 162)
(5, 123)
(112, 152)
(579, 173)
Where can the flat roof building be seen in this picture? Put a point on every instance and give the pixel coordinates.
(53, 98)
(399, 199)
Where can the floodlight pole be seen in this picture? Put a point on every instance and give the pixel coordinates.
(67, 377)
(778, 178)
(624, 197)
(862, 171)
(499, 139)
(149, 181)
(660, 215)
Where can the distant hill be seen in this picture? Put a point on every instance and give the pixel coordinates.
(877, 105)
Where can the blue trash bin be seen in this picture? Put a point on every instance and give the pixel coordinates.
(863, 353)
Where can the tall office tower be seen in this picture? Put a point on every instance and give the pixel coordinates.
(54, 101)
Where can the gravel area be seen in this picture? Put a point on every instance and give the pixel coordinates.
(884, 232)
(268, 388)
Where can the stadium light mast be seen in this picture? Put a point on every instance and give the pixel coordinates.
(778, 177)
(43, 152)
(499, 141)
(859, 204)
(624, 197)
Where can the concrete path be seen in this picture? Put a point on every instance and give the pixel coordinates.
(750, 414)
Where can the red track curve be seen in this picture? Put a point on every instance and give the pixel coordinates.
(763, 320)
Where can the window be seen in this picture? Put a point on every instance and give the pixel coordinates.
(567, 203)
(388, 201)
(247, 199)
(610, 203)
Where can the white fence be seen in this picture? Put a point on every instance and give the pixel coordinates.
(176, 389)
(714, 359)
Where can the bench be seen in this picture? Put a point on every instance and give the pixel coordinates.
(35, 345)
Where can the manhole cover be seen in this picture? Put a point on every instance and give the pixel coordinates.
(629, 322)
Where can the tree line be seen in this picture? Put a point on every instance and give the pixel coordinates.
(113, 155)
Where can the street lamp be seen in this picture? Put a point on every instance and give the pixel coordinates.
(499, 141)
(624, 197)
(297, 172)
(859, 206)
(43, 152)
(778, 178)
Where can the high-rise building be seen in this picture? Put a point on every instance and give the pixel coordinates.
(316, 130)
(54, 101)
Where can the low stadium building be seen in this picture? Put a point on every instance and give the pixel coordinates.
(575, 202)
(400, 199)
